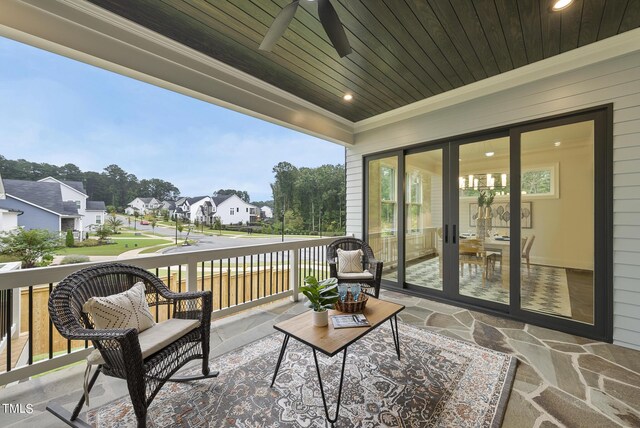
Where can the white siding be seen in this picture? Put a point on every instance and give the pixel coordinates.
(614, 81)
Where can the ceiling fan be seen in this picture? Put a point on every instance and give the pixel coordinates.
(328, 18)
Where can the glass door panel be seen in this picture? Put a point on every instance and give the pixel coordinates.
(423, 219)
(484, 220)
(383, 213)
(557, 221)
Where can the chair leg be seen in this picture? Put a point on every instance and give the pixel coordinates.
(71, 419)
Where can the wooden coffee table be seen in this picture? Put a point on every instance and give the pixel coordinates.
(330, 341)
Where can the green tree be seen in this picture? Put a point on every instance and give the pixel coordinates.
(68, 239)
(283, 188)
(103, 233)
(217, 224)
(33, 247)
(315, 196)
(113, 223)
(242, 194)
(159, 189)
(153, 222)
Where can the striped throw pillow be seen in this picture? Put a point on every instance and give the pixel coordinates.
(349, 261)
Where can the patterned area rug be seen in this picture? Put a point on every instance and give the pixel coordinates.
(544, 288)
(438, 382)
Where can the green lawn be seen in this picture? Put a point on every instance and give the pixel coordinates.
(118, 247)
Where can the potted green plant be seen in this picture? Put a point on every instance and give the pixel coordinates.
(322, 295)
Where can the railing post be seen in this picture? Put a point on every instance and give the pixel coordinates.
(294, 266)
(192, 276)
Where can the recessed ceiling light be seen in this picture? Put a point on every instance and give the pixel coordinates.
(557, 143)
(489, 154)
(347, 97)
(560, 4)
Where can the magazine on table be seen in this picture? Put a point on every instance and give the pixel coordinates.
(347, 321)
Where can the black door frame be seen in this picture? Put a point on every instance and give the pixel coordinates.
(602, 328)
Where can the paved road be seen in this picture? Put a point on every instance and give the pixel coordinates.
(206, 242)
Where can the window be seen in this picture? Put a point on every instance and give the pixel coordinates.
(414, 202)
(247, 209)
(78, 204)
(388, 199)
(231, 211)
(98, 219)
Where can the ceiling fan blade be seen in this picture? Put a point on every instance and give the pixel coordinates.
(333, 27)
(279, 26)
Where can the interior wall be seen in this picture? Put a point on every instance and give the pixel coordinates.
(560, 223)
(615, 81)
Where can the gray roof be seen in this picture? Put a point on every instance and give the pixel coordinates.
(146, 200)
(43, 194)
(96, 206)
(181, 201)
(196, 199)
(76, 185)
(218, 199)
(70, 208)
(170, 205)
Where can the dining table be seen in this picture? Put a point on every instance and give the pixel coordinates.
(501, 245)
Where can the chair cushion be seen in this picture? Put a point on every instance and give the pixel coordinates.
(123, 310)
(349, 261)
(355, 275)
(155, 338)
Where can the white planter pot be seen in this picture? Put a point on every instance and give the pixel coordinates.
(320, 319)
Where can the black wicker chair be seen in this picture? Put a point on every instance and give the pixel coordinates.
(119, 348)
(372, 267)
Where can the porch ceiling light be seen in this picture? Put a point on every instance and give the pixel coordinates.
(557, 143)
(347, 97)
(489, 154)
(560, 4)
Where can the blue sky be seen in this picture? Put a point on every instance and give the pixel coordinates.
(57, 110)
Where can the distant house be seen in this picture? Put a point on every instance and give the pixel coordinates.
(182, 209)
(50, 204)
(169, 206)
(201, 208)
(95, 213)
(92, 212)
(266, 212)
(198, 208)
(233, 210)
(8, 218)
(142, 206)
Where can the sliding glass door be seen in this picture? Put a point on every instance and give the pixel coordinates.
(561, 200)
(424, 202)
(382, 213)
(515, 221)
(484, 214)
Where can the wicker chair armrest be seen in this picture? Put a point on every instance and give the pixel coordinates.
(98, 334)
(373, 262)
(375, 267)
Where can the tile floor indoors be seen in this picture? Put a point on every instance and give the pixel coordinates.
(561, 380)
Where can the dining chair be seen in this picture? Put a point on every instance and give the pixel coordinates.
(526, 249)
(471, 252)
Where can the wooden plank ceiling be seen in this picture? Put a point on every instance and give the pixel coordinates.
(403, 50)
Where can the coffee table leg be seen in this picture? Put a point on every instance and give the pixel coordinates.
(284, 347)
(324, 401)
(396, 335)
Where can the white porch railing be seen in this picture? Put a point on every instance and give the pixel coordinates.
(239, 278)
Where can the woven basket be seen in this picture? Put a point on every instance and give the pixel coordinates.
(350, 306)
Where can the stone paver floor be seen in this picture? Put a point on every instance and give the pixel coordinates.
(561, 380)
